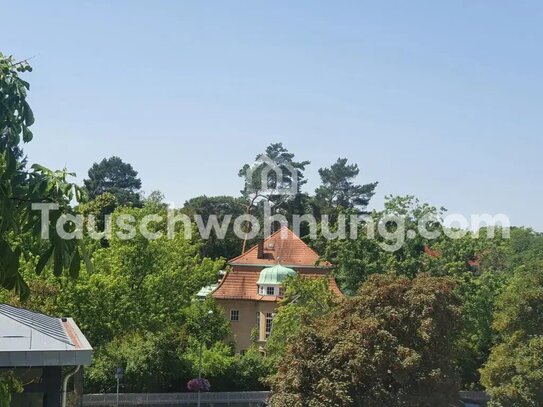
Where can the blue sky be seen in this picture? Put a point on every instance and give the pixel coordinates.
(442, 100)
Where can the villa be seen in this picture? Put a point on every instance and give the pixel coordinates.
(250, 293)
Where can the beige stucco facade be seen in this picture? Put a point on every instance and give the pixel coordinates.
(243, 329)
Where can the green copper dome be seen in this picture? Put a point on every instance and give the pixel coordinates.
(274, 275)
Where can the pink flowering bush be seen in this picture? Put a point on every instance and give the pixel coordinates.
(198, 385)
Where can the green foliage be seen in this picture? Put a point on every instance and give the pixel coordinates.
(282, 159)
(520, 307)
(392, 344)
(337, 190)
(98, 208)
(20, 188)
(205, 321)
(216, 359)
(479, 294)
(370, 253)
(136, 306)
(248, 371)
(220, 207)
(9, 384)
(150, 362)
(115, 176)
(305, 300)
(480, 266)
(526, 246)
(16, 116)
(513, 374)
(138, 284)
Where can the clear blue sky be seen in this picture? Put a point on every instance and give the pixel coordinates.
(440, 99)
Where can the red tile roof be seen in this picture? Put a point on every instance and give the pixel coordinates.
(241, 285)
(282, 247)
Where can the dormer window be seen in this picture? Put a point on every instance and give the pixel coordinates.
(268, 289)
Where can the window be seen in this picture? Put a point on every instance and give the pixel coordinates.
(234, 315)
(269, 324)
(270, 290)
(258, 322)
(262, 290)
(281, 291)
(243, 352)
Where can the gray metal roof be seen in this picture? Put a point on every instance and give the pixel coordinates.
(32, 339)
(52, 327)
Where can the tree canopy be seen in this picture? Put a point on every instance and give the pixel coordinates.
(391, 344)
(513, 374)
(21, 188)
(274, 161)
(115, 176)
(338, 191)
(223, 208)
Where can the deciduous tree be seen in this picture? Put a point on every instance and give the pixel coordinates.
(391, 345)
(513, 374)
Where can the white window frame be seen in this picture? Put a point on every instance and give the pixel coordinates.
(269, 324)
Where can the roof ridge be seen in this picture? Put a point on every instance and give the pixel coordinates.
(306, 245)
(289, 236)
(256, 245)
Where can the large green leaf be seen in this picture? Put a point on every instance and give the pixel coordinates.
(44, 258)
(75, 264)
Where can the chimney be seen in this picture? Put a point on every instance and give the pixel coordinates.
(260, 253)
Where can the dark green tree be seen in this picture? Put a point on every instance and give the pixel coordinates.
(208, 208)
(391, 345)
(276, 157)
(115, 176)
(338, 190)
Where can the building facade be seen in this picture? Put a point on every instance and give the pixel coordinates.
(249, 294)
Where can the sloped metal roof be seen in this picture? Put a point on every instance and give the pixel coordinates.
(32, 339)
(49, 326)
